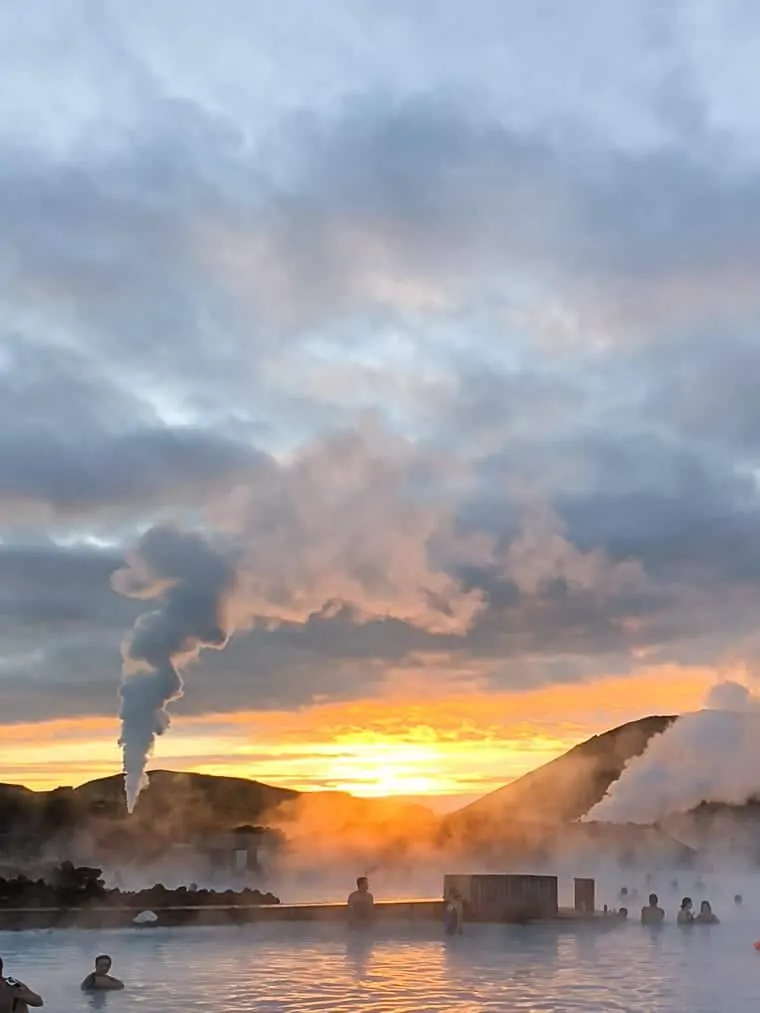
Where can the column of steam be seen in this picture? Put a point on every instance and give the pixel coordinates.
(190, 582)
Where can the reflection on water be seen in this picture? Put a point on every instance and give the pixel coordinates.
(399, 969)
(95, 1000)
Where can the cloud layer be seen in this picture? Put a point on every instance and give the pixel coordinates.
(447, 365)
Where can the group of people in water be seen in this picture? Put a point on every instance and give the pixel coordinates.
(653, 914)
(17, 997)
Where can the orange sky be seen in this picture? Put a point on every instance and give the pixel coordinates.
(413, 744)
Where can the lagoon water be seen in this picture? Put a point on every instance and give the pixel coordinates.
(400, 969)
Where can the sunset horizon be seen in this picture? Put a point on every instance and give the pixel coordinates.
(442, 752)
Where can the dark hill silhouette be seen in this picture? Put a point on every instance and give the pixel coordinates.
(180, 807)
(563, 789)
(194, 799)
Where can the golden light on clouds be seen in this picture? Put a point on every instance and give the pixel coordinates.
(463, 743)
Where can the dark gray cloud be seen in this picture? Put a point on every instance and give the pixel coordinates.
(447, 378)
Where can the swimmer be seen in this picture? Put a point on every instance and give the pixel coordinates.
(686, 915)
(623, 913)
(706, 916)
(652, 913)
(15, 996)
(361, 903)
(738, 899)
(100, 979)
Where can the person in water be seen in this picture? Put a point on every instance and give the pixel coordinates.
(15, 996)
(101, 979)
(686, 913)
(706, 916)
(454, 914)
(652, 913)
(361, 903)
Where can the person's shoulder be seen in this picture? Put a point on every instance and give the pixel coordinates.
(89, 981)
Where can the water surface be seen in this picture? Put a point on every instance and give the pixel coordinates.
(400, 969)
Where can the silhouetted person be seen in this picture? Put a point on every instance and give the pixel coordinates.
(100, 980)
(652, 913)
(623, 912)
(361, 904)
(706, 916)
(454, 914)
(686, 913)
(738, 899)
(15, 996)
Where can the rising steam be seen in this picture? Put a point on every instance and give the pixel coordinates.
(341, 525)
(190, 582)
(710, 756)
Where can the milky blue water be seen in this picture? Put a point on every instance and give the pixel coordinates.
(401, 969)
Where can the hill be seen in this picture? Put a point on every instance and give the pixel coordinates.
(563, 789)
(186, 808)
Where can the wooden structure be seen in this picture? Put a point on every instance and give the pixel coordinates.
(585, 895)
(496, 898)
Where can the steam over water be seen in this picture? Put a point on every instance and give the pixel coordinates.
(410, 969)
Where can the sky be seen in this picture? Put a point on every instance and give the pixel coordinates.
(397, 365)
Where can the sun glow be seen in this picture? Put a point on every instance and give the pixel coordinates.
(375, 768)
(407, 742)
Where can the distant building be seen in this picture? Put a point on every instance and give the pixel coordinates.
(242, 850)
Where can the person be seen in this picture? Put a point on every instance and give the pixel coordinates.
(686, 913)
(15, 996)
(100, 978)
(652, 913)
(361, 903)
(706, 916)
(454, 914)
(738, 899)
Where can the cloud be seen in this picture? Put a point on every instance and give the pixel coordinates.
(441, 375)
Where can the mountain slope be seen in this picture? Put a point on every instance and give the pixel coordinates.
(180, 807)
(564, 789)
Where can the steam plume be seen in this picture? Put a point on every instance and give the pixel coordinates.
(190, 581)
(710, 756)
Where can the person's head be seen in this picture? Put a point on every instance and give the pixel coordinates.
(624, 891)
(687, 904)
(102, 964)
(362, 884)
(653, 900)
(704, 908)
(737, 898)
(623, 912)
